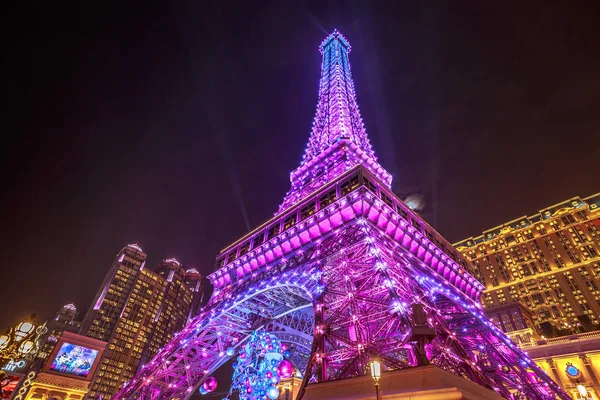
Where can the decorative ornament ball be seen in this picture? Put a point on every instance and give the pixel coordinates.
(249, 389)
(230, 351)
(285, 369)
(269, 374)
(202, 391)
(273, 393)
(210, 384)
(287, 353)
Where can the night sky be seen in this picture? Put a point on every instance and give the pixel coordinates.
(176, 125)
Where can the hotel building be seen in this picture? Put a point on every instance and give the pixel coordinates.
(542, 274)
(549, 261)
(137, 311)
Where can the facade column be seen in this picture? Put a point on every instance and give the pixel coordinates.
(586, 361)
(555, 374)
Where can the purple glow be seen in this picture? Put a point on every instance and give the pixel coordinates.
(98, 303)
(346, 276)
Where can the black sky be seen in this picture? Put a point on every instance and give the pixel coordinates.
(176, 125)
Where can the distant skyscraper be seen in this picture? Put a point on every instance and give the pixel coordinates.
(67, 314)
(137, 311)
(549, 261)
(64, 321)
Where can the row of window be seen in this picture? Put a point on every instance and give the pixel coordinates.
(290, 220)
(329, 197)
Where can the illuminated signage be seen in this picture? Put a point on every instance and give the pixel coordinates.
(8, 384)
(74, 360)
(15, 366)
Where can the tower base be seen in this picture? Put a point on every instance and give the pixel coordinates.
(419, 383)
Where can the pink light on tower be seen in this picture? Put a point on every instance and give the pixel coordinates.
(337, 274)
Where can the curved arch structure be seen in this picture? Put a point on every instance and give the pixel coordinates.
(343, 273)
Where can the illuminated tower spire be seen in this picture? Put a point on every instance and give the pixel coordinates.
(337, 114)
(338, 140)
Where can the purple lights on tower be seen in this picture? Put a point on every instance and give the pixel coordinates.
(338, 140)
(337, 274)
(337, 114)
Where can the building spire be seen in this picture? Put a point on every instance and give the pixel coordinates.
(338, 140)
(337, 115)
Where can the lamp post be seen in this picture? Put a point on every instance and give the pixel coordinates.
(21, 341)
(583, 393)
(376, 375)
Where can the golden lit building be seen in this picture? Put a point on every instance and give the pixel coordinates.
(67, 373)
(289, 388)
(542, 275)
(137, 311)
(549, 261)
(572, 361)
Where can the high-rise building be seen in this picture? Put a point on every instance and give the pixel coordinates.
(64, 321)
(542, 277)
(549, 261)
(137, 311)
(67, 372)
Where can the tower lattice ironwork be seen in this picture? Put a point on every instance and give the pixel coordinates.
(340, 273)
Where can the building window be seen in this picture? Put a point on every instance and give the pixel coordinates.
(350, 185)
(273, 231)
(289, 222)
(387, 200)
(308, 211)
(244, 249)
(327, 198)
(259, 239)
(537, 298)
(370, 185)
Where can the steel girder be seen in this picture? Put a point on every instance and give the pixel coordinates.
(340, 303)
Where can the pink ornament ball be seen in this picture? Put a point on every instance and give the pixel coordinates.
(210, 384)
(285, 369)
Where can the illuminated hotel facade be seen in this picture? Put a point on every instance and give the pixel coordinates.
(549, 261)
(542, 278)
(137, 311)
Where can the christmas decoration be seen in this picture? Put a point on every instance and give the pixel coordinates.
(259, 367)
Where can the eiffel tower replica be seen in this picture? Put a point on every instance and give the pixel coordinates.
(344, 273)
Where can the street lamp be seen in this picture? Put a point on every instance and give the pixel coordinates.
(376, 375)
(21, 341)
(583, 393)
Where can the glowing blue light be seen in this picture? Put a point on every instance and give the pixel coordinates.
(273, 393)
(572, 370)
